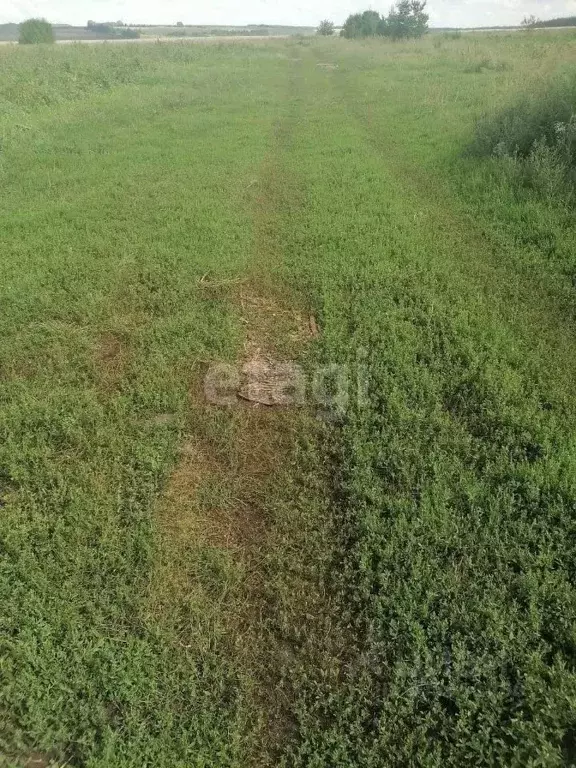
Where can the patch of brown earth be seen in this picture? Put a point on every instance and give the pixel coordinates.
(110, 359)
(274, 335)
(216, 494)
(41, 760)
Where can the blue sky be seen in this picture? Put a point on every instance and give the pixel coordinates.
(306, 12)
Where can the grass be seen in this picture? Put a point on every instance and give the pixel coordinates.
(534, 141)
(116, 202)
(400, 575)
(452, 579)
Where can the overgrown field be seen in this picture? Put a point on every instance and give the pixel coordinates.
(386, 581)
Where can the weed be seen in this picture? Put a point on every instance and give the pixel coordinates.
(535, 117)
(486, 64)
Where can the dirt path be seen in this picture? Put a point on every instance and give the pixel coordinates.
(217, 499)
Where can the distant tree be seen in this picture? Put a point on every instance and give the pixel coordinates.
(383, 28)
(407, 19)
(369, 23)
(365, 24)
(566, 21)
(180, 24)
(351, 28)
(91, 24)
(326, 28)
(34, 31)
(103, 28)
(529, 22)
(129, 34)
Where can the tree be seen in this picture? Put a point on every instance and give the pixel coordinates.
(180, 24)
(103, 29)
(34, 31)
(369, 24)
(325, 28)
(407, 19)
(529, 22)
(365, 24)
(351, 28)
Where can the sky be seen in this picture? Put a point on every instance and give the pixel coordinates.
(452, 13)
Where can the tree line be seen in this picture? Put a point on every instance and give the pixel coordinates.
(40, 31)
(405, 20)
(531, 22)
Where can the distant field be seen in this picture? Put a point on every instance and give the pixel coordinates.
(206, 30)
(9, 32)
(380, 575)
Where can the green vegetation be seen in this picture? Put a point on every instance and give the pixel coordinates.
(326, 28)
(103, 326)
(541, 116)
(536, 139)
(564, 21)
(35, 31)
(102, 28)
(179, 32)
(108, 30)
(198, 30)
(130, 34)
(453, 587)
(390, 584)
(530, 22)
(406, 20)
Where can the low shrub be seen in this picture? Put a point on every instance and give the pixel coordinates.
(537, 137)
(545, 116)
(103, 29)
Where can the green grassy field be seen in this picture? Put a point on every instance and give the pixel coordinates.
(389, 584)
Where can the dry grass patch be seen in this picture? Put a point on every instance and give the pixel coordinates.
(110, 358)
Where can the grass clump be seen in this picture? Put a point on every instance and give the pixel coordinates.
(536, 137)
